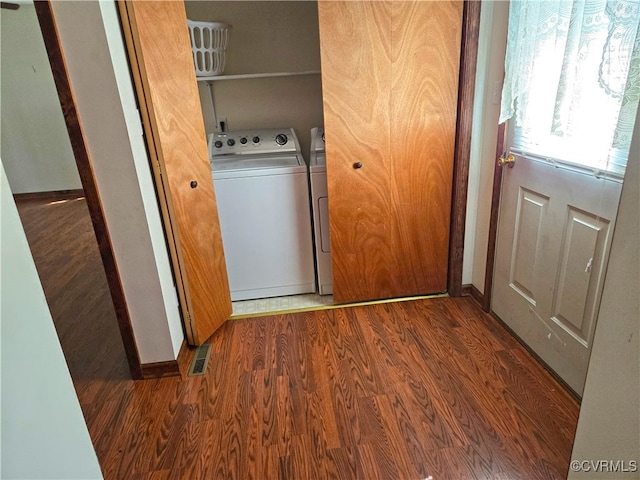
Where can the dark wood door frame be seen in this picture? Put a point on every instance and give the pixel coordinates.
(493, 219)
(85, 169)
(466, 91)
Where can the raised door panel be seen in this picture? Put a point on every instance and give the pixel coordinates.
(158, 40)
(580, 273)
(528, 244)
(390, 84)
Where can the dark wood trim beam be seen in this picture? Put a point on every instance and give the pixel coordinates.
(53, 195)
(493, 220)
(9, 5)
(470, 290)
(85, 169)
(466, 92)
(160, 369)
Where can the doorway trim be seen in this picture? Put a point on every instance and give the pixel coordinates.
(462, 152)
(493, 219)
(83, 161)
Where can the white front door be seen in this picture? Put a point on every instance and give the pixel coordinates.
(554, 235)
(572, 77)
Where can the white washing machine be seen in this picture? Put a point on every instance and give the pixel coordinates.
(320, 207)
(262, 192)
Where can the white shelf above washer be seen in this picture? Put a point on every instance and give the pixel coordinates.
(256, 75)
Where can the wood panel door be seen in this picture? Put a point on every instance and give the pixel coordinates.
(390, 84)
(162, 66)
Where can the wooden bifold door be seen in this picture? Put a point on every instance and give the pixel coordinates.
(162, 67)
(390, 73)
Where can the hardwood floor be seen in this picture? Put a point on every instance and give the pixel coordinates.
(67, 258)
(392, 391)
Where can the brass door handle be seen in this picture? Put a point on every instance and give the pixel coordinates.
(508, 160)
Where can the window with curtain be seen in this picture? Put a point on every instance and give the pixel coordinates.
(572, 80)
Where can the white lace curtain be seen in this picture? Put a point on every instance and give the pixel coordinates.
(572, 79)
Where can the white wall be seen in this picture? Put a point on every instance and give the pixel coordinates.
(267, 36)
(43, 431)
(490, 71)
(122, 178)
(609, 423)
(143, 170)
(34, 143)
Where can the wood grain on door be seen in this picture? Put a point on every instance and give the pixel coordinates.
(162, 66)
(390, 84)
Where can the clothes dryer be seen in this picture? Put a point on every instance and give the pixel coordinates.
(320, 208)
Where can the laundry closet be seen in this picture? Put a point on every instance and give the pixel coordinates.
(258, 70)
(387, 95)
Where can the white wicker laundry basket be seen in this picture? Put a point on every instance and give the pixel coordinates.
(209, 46)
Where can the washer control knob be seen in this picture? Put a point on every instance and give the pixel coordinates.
(256, 139)
(281, 139)
(231, 142)
(217, 144)
(243, 140)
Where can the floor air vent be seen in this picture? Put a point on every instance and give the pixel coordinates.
(200, 360)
